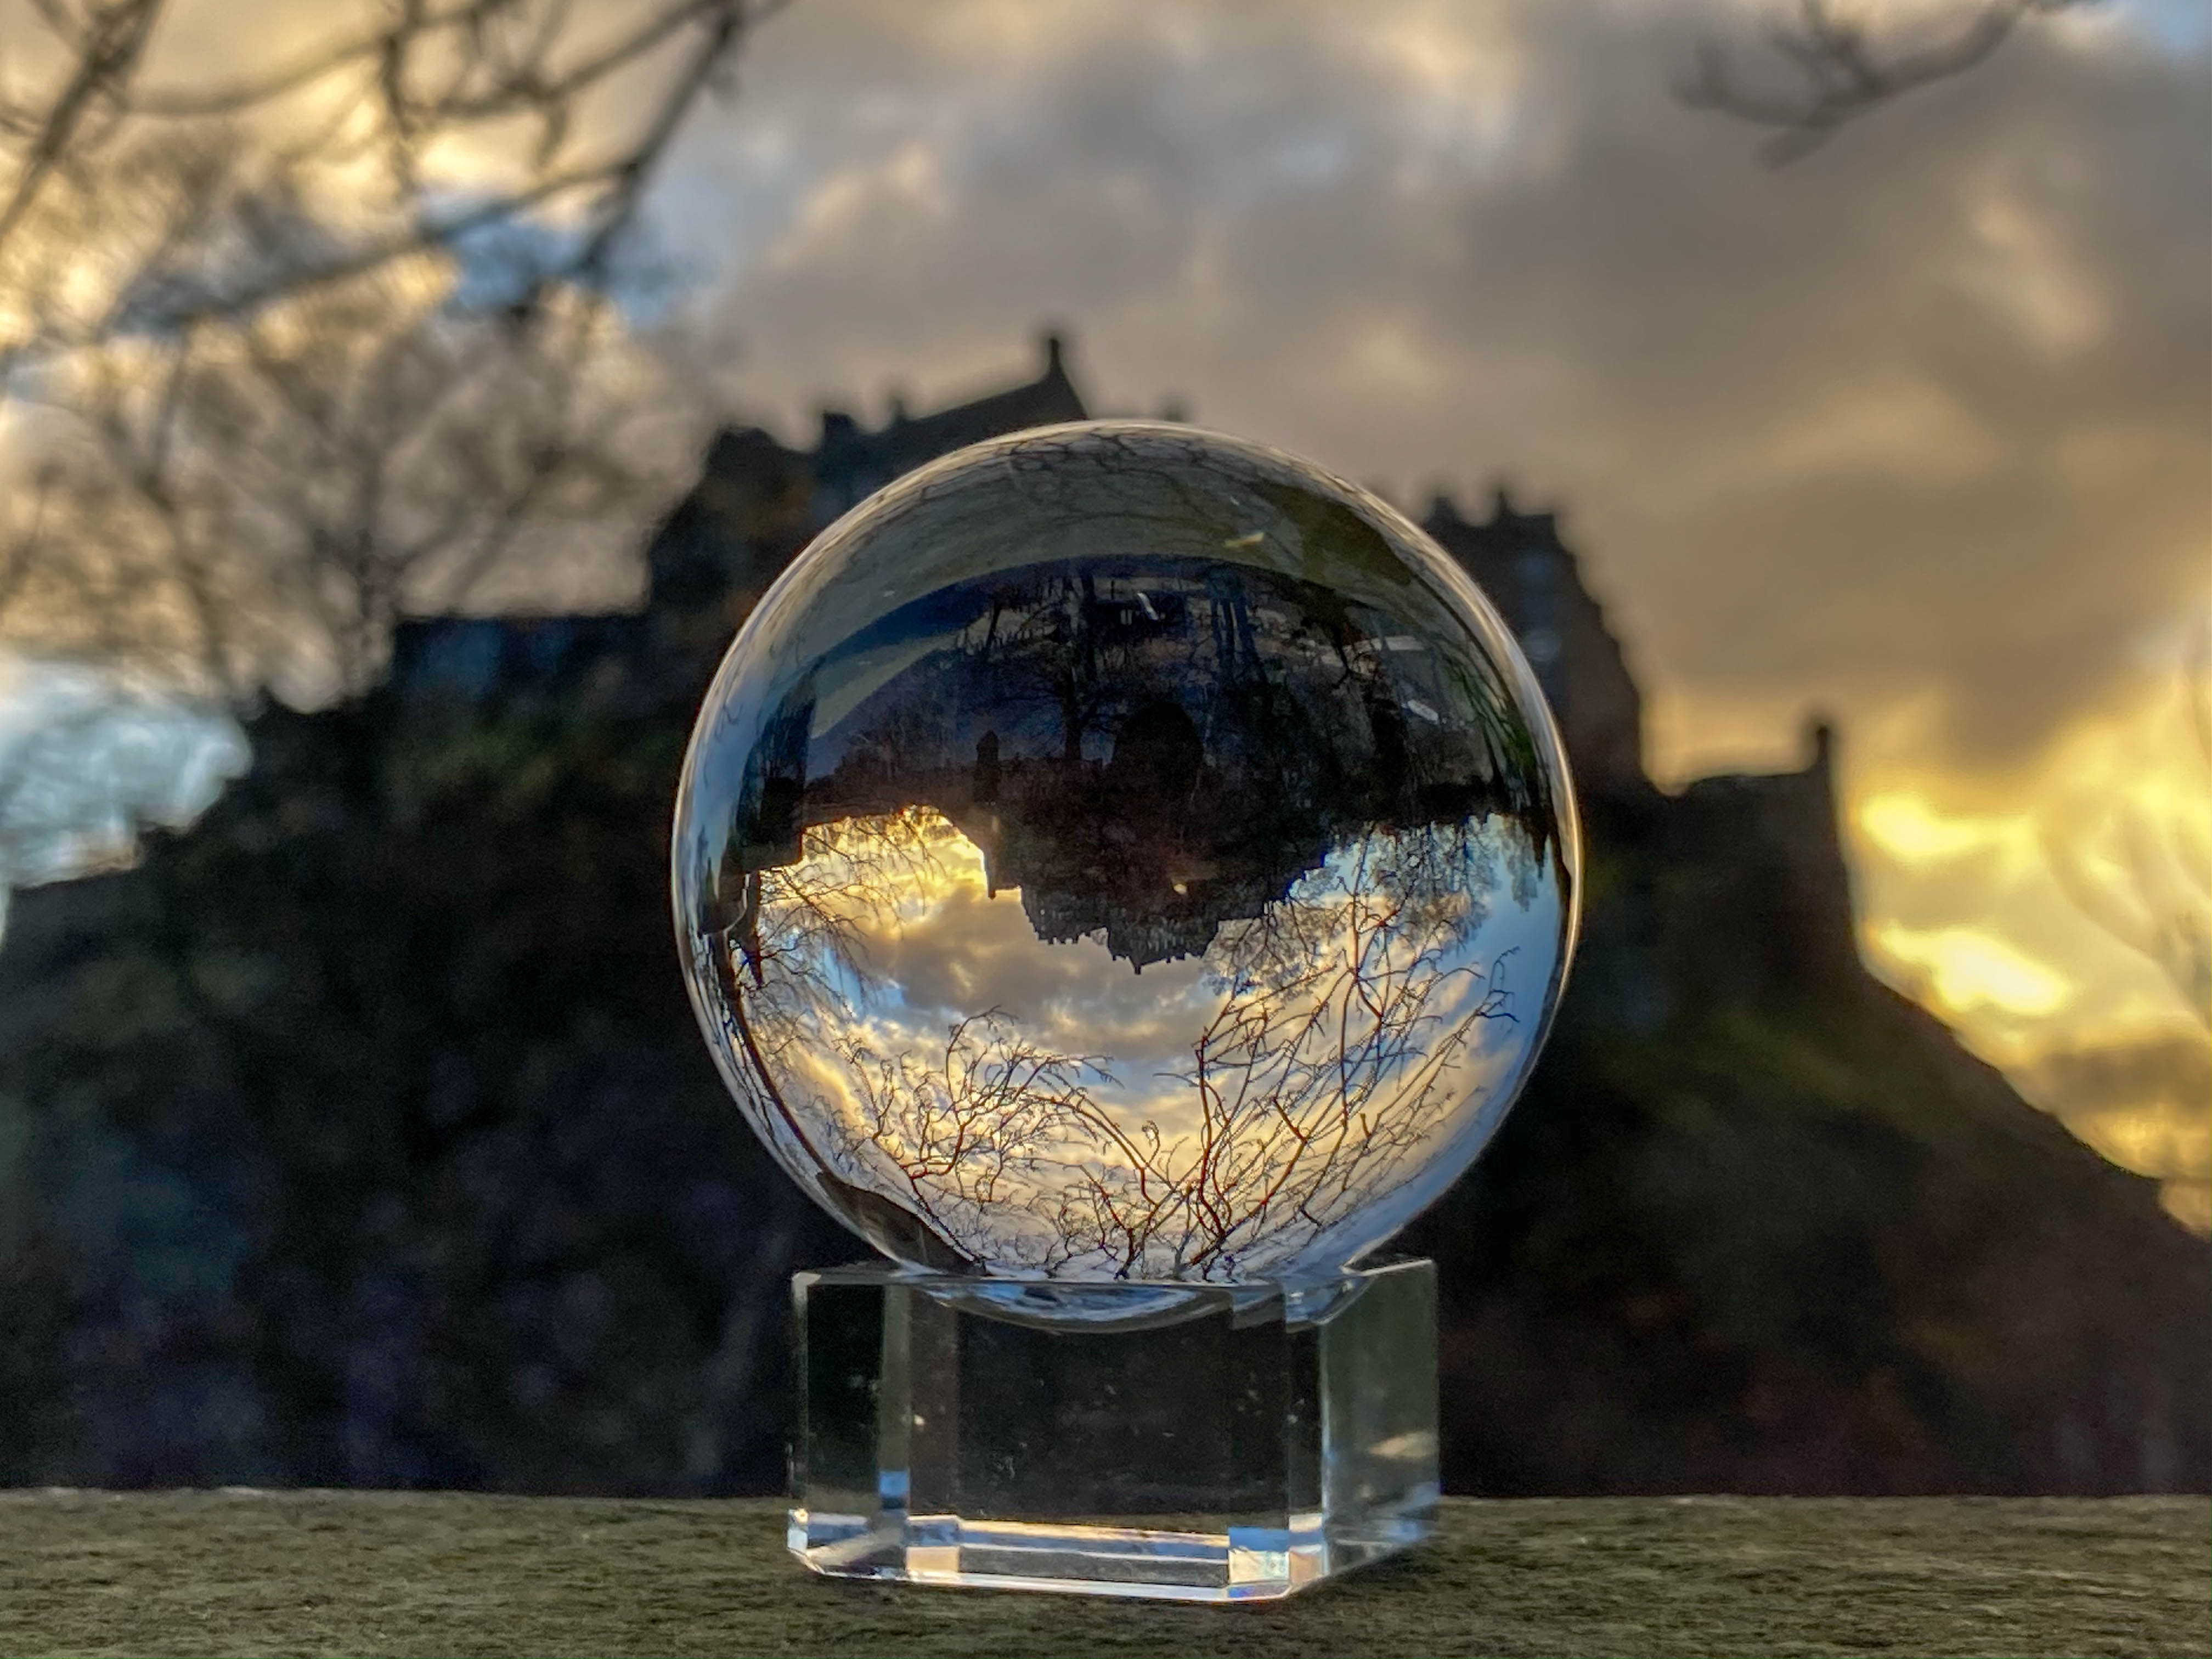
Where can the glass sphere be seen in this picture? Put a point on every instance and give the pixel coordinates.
(1122, 852)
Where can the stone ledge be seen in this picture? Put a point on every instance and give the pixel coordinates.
(323, 1572)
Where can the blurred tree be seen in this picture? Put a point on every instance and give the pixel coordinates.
(1838, 71)
(293, 354)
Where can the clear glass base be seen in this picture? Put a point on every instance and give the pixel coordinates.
(1192, 1441)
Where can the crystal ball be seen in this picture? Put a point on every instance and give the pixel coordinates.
(1123, 851)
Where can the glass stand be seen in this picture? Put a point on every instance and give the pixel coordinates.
(1193, 1442)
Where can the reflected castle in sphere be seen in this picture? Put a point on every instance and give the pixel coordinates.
(1213, 713)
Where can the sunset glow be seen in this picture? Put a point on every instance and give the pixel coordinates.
(1968, 970)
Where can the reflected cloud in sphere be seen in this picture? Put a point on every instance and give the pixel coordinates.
(1123, 851)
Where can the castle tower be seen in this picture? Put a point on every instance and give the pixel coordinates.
(1529, 574)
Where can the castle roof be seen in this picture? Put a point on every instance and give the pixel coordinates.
(1046, 401)
(849, 452)
(1507, 528)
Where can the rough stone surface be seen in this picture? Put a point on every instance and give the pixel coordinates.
(312, 1572)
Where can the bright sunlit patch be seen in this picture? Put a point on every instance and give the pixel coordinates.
(1967, 969)
(2021, 269)
(910, 180)
(2152, 1139)
(1389, 353)
(1441, 50)
(1911, 430)
(1907, 825)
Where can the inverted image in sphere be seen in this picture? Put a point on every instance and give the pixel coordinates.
(1120, 851)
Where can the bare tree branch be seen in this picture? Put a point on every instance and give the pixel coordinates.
(260, 403)
(1840, 75)
(107, 46)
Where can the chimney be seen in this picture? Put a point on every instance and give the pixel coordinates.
(1054, 351)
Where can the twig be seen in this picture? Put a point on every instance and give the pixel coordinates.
(1840, 78)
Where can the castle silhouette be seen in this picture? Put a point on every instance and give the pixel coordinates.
(757, 503)
(1757, 883)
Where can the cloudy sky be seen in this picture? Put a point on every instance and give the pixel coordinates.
(1914, 431)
